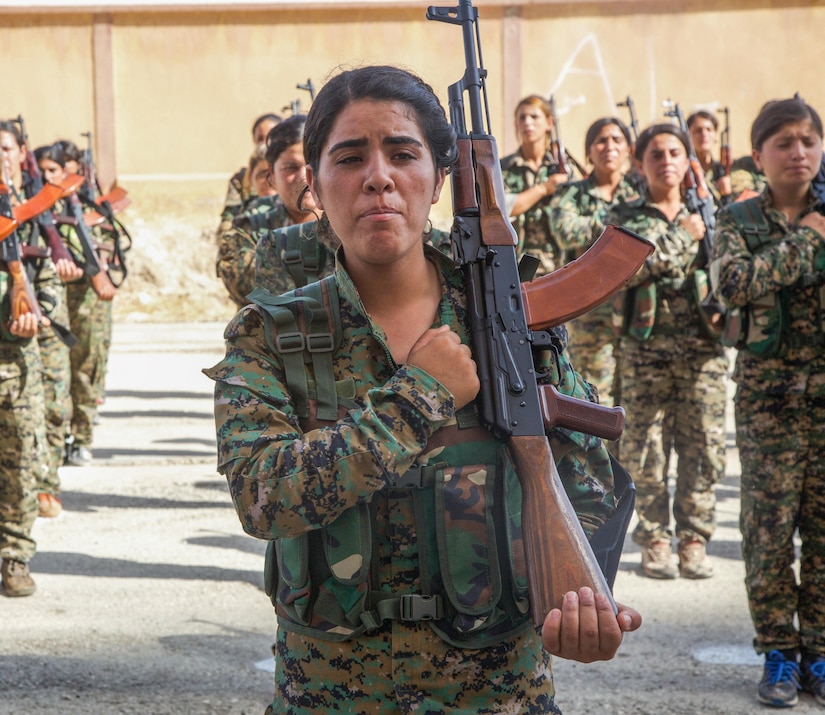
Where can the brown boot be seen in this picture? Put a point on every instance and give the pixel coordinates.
(17, 581)
(657, 560)
(49, 506)
(693, 560)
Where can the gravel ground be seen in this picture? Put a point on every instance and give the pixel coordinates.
(150, 596)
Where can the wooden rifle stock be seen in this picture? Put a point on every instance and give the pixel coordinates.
(7, 225)
(42, 201)
(591, 279)
(559, 557)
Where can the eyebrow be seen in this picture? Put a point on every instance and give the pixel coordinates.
(400, 140)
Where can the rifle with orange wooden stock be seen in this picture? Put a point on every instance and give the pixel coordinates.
(47, 222)
(103, 209)
(507, 322)
(725, 154)
(563, 157)
(699, 200)
(22, 297)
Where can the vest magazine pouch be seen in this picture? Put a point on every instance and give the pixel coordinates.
(608, 541)
(292, 591)
(465, 525)
(766, 324)
(642, 311)
(734, 331)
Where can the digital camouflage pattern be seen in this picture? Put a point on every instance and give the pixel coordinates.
(239, 192)
(746, 176)
(672, 383)
(780, 410)
(533, 226)
(235, 264)
(405, 668)
(578, 213)
(287, 481)
(23, 457)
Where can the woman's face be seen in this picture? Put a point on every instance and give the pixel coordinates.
(12, 156)
(664, 162)
(262, 130)
(792, 156)
(532, 124)
(376, 181)
(609, 151)
(52, 171)
(703, 135)
(260, 179)
(288, 176)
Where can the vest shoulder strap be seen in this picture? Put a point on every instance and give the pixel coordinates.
(752, 222)
(304, 327)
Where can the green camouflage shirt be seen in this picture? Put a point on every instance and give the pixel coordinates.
(533, 226)
(578, 213)
(235, 265)
(669, 267)
(792, 253)
(285, 481)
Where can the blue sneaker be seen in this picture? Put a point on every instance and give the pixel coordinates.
(779, 686)
(813, 677)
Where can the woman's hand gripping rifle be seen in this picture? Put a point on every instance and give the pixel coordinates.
(559, 557)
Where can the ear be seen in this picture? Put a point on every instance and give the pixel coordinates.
(757, 159)
(440, 178)
(312, 181)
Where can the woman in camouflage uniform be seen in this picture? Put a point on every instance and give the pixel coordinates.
(531, 177)
(771, 261)
(22, 412)
(672, 374)
(577, 218)
(290, 205)
(393, 578)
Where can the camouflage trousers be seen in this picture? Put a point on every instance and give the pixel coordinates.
(57, 377)
(91, 322)
(593, 350)
(406, 668)
(22, 441)
(673, 389)
(781, 444)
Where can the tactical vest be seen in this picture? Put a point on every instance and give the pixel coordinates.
(473, 588)
(467, 508)
(300, 252)
(762, 327)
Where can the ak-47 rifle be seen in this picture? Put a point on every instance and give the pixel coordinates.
(634, 122)
(295, 105)
(725, 154)
(103, 209)
(47, 222)
(563, 157)
(699, 200)
(501, 315)
(23, 299)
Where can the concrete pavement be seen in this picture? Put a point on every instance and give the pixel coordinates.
(150, 596)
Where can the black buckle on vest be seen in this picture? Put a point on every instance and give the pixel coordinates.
(415, 607)
(291, 257)
(411, 479)
(320, 342)
(289, 342)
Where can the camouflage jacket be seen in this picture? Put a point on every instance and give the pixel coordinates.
(289, 479)
(295, 255)
(235, 264)
(746, 176)
(239, 192)
(578, 213)
(533, 226)
(790, 256)
(668, 270)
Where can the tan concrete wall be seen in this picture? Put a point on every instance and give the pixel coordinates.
(171, 95)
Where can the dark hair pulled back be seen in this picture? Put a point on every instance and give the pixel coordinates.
(655, 130)
(290, 131)
(380, 83)
(776, 114)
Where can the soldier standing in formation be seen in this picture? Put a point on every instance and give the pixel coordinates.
(672, 373)
(577, 217)
(531, 177)
(771, 261)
